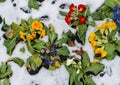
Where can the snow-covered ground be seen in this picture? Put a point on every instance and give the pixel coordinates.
(12, 13)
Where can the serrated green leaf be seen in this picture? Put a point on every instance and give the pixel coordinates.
(63, 51)
(33, 4)
(18, 61)
(95, 68)
(81, 33)
(6, 82)
(110, 49)
(63, 13)
(85, 60)
(89, 81)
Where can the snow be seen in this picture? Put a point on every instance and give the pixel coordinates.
(60, 76)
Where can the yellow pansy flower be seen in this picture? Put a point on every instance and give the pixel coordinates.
(101, 52)
(36, 25)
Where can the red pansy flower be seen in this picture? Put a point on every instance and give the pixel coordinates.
(81, 7)
(67, 20)
(82, 20)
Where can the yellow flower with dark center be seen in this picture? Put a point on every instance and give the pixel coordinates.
(101, 52)
(22, 36)
(111, 25)
(36, 25)
(42, 33)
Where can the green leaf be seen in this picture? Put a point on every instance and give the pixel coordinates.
(110, 3)
(110, 49)
(2, 0)
(76, 23)
(85, 60)
(33, 4)
(30, 20)
(30, 62)
(63, 13)
(92, 23)
(63, 51)
(51, 34)
(60, 42)
(96, 15)
(7, 73)
(65, 37)
(95, 68)
(30, 48)
(5, 26)
(81, 33)
(39, 44)
(37, 60)
(22, 49)
(72, 78)
(80, 75)
(10, 45)
(87, 12)
(34, 61)
(18, 61)
(6, 82)
(3, 68)
(117, 45)
(89, 81)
